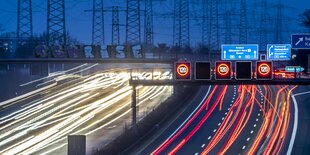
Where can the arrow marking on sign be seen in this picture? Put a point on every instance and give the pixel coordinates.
(269, 51)
(300, 40)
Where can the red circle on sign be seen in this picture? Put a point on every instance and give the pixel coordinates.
(264, 65)
(221, 71)
(182, 70)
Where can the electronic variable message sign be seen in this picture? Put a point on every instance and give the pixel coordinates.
(222, 70)
(182, 71)
(264, 70)
(243, 70)
(202, 70)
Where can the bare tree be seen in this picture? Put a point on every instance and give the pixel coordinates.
(305, 19)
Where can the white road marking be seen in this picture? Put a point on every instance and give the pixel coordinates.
(290, 148)
(248, 139)
(203, 145)
(243, 147)
(209, 137)
(202, 101)
(251, 131)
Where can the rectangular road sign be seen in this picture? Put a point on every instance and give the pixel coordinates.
(243, 70)
(202, 70)
(292, 69)
(278, 52)
(300, 41)
(239, 52)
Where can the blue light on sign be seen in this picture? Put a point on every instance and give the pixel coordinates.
(292, 69)
(300, 41)
(279, 52)
(239, 52)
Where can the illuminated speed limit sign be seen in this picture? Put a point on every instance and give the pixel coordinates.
(264, 70)
(222, 70)
(182, 71)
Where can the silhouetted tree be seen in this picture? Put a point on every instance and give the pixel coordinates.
(305, 19)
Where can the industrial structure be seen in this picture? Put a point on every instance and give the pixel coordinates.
(218, 25)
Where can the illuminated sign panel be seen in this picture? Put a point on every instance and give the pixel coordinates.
(300, 41)
(182, 71)
(223, 70)
(292, 69)
(279, 52)
(243, 70)
(239, 52)
(203, 71)
(264, 70)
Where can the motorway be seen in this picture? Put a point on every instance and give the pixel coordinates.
(236, 120)
(95, 105)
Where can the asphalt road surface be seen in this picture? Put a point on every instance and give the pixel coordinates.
(237, 120)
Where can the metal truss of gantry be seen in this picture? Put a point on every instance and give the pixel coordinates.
(24, 20)
(98, 23)
(56, 27)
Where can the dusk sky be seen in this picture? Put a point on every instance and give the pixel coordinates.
(79, 22)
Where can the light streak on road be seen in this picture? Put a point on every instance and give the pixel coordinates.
(39, 124)
(269, 137)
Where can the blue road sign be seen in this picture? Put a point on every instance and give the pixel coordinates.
(292, 69)
(240, 52)
(278, 52)
(300, 41)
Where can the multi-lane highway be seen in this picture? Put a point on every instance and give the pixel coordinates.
(231, 120)
(96, 105)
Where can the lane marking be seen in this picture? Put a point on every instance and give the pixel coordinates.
(202, 101)
(301, 93)
(290, 148)
(203, 145)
